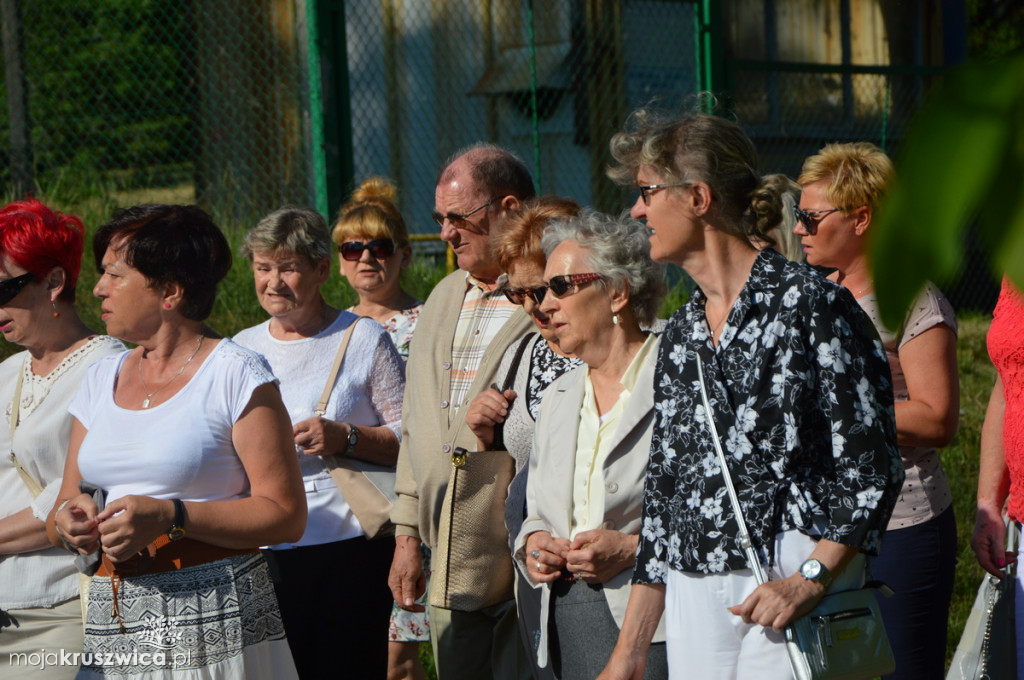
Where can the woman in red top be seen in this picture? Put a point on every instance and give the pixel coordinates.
(1001, 471)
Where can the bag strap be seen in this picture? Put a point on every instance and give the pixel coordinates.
(34, 487)
(321, 407)
(499, 440)
(743, 535)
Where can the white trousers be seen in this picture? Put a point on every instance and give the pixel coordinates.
(707, 642)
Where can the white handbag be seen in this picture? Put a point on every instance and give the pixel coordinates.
(988, 646)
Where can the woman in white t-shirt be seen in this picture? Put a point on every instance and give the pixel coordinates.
(188, 438)
(331, 582)
(40, 258)
(841, 186)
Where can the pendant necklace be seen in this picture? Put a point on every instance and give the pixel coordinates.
(150, 395)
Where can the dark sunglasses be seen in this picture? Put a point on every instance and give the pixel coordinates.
(561, 285)
(380, 248)
(810, 218)
(10, 288)
(460, 221)
(517, 296)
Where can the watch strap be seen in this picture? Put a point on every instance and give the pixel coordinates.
(353, 439)
(177, 530)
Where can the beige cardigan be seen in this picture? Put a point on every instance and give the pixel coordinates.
(424, 459)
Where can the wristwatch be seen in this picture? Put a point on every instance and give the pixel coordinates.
(813, 570)
(353, 439)
(177, 530)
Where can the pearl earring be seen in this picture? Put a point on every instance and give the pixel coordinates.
(615, 319)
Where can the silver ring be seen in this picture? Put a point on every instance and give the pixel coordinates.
(538, 566)
(535, 554)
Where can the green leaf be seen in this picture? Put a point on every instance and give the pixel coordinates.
(954, 155)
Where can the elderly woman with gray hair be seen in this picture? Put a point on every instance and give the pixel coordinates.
(578, 542)
(333, 570)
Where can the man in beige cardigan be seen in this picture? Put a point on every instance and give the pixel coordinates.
(464, 328)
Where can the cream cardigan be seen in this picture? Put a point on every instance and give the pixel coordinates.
(424, 460)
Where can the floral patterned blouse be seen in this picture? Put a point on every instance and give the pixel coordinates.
(801, 394)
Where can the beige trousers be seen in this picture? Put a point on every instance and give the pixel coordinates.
(36, 644)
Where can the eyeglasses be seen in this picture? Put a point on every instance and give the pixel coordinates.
(647, 189)
(455, 219)
(10, 288)
(561, 285)
(380, 248)
(810, 218)
(517, 296)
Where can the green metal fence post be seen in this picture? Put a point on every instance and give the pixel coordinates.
(316, 109)
(710, 48)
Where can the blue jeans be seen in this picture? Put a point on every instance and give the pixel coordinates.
(918, 563)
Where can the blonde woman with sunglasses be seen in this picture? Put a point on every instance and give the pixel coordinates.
(842, 185)
(373, 251)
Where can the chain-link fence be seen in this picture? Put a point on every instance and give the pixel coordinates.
(211, 100)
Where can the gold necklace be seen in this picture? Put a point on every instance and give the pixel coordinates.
(150, 395)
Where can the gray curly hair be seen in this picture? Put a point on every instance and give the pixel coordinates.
(620, 249)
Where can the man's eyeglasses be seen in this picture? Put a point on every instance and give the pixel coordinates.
(380, 248)
(10, 288)
(457, 220)
(561, 285)
(517, 296)
(647, 189)
(810, 218)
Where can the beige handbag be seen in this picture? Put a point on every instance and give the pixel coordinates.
(35, 488)
(368, 489)
(471, 566)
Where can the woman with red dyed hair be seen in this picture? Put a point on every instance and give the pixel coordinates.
(40, 257)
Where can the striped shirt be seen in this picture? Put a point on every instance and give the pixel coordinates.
(483, 314)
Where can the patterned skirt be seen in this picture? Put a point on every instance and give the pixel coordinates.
(213, 620)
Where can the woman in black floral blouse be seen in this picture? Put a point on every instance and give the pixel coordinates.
(801, 395)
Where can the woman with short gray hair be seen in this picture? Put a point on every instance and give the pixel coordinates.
(592, 439)
(333, 567)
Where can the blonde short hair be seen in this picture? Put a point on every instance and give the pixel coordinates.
(858, 173)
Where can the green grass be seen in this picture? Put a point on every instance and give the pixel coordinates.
(237, 308)
(960, 461)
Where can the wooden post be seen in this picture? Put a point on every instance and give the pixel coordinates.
(22, 179)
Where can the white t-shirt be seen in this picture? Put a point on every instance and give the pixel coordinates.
(181, 448)
(368, 391)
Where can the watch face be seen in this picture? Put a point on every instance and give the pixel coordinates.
(811, 570)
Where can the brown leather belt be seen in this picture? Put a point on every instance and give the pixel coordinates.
(163, 554)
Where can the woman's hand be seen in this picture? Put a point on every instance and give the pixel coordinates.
(78, 525)
(989, 542)
(599, 554)
(320, 437)
(131, 523)
(776, 604)
(489, 408)
(545, 556)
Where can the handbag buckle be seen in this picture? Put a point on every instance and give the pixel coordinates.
(459, 456)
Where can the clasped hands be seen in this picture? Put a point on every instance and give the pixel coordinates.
(593, 556)
(121, 530)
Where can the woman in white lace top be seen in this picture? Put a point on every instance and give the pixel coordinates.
(40, 258)
(332, 582)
